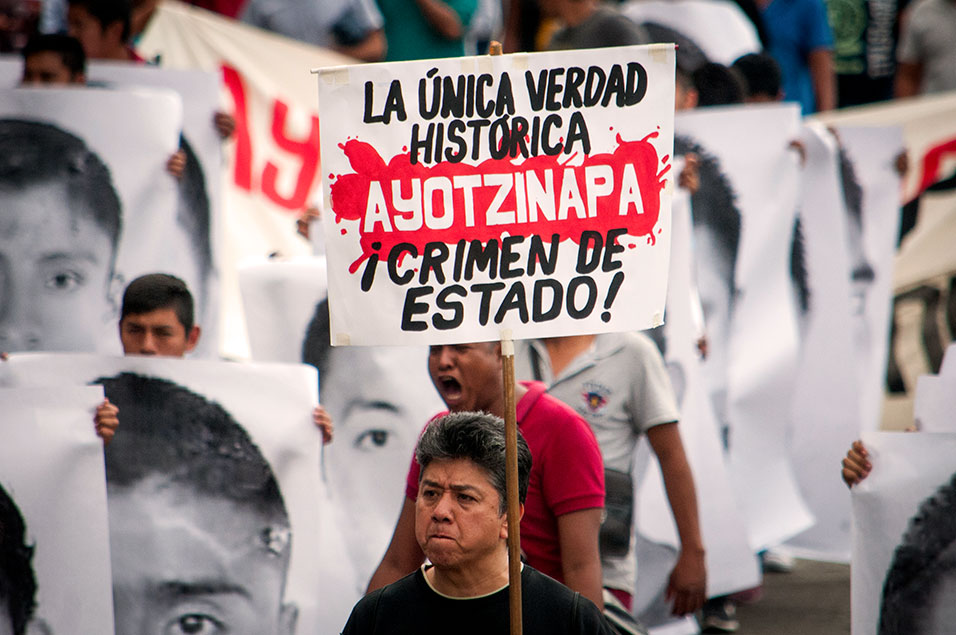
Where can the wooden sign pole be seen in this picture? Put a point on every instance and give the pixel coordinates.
(511, 482)
(511, 463)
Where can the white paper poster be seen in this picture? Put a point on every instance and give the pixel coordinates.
(51, 475)
(527, 194)
(743, 230)
(215, 494)
(731, 564)
(199, 189)
(824, 422)
(88, 205)
(872, 234)
(378, 396)
(904, 569)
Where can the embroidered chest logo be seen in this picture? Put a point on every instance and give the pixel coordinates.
(595, 398)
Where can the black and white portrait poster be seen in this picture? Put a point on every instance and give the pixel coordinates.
(218, 514)
(904, 537)
(731, 563)
(87, 205)
(823, 420)
(872, 234)
(199, 261)
(744, 213)
(378, 396)
(53, 503)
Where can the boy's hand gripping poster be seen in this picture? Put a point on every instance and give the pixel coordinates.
(471, 198)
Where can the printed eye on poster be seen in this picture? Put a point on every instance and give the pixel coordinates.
(471, 196)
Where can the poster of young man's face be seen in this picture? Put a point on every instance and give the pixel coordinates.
(904, 554)
(215, 498)
(823, 421)
(731, 565)
(54, 543)
(378, 397)
(86, 205)
(871, 184)
(743, 216)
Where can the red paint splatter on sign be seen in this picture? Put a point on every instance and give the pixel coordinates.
(535, 192)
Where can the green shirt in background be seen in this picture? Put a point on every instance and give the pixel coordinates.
(411, 37)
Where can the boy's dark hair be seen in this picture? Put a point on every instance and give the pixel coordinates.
(34, 153)
(18, 584)
(718, 85)
(178, 435)
(920, 563)
(107, 12)
(479, 437)
(155, 291)
(67, 47)
(761, 74)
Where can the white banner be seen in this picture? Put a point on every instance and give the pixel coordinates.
(469, 197)
(744, 216)
(51, 470)
(195, 438)
(903, 577)
(88, 205)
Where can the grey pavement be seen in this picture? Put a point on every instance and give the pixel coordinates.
(812, 599)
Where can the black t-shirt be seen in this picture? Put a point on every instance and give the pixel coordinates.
(411, 607)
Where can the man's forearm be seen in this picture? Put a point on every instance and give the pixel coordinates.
(442, 18)
(824, 79)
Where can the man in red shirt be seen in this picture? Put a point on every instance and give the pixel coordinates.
(559, 530)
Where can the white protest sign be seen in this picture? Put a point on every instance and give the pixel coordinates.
(903, 578)
(51, 469)
(467, 197)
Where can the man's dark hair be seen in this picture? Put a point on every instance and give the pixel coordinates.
(193, 214)
(175, 434)
(714, 206)
(18, 583)
(925, 557)
(33, 153)
(761, 74)
(67, 47)
(155, 291)
(480, 438)
(108, 12)
(718, 85)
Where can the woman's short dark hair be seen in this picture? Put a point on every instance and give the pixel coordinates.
(480, 438)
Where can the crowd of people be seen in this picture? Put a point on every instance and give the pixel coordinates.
(583, 401)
